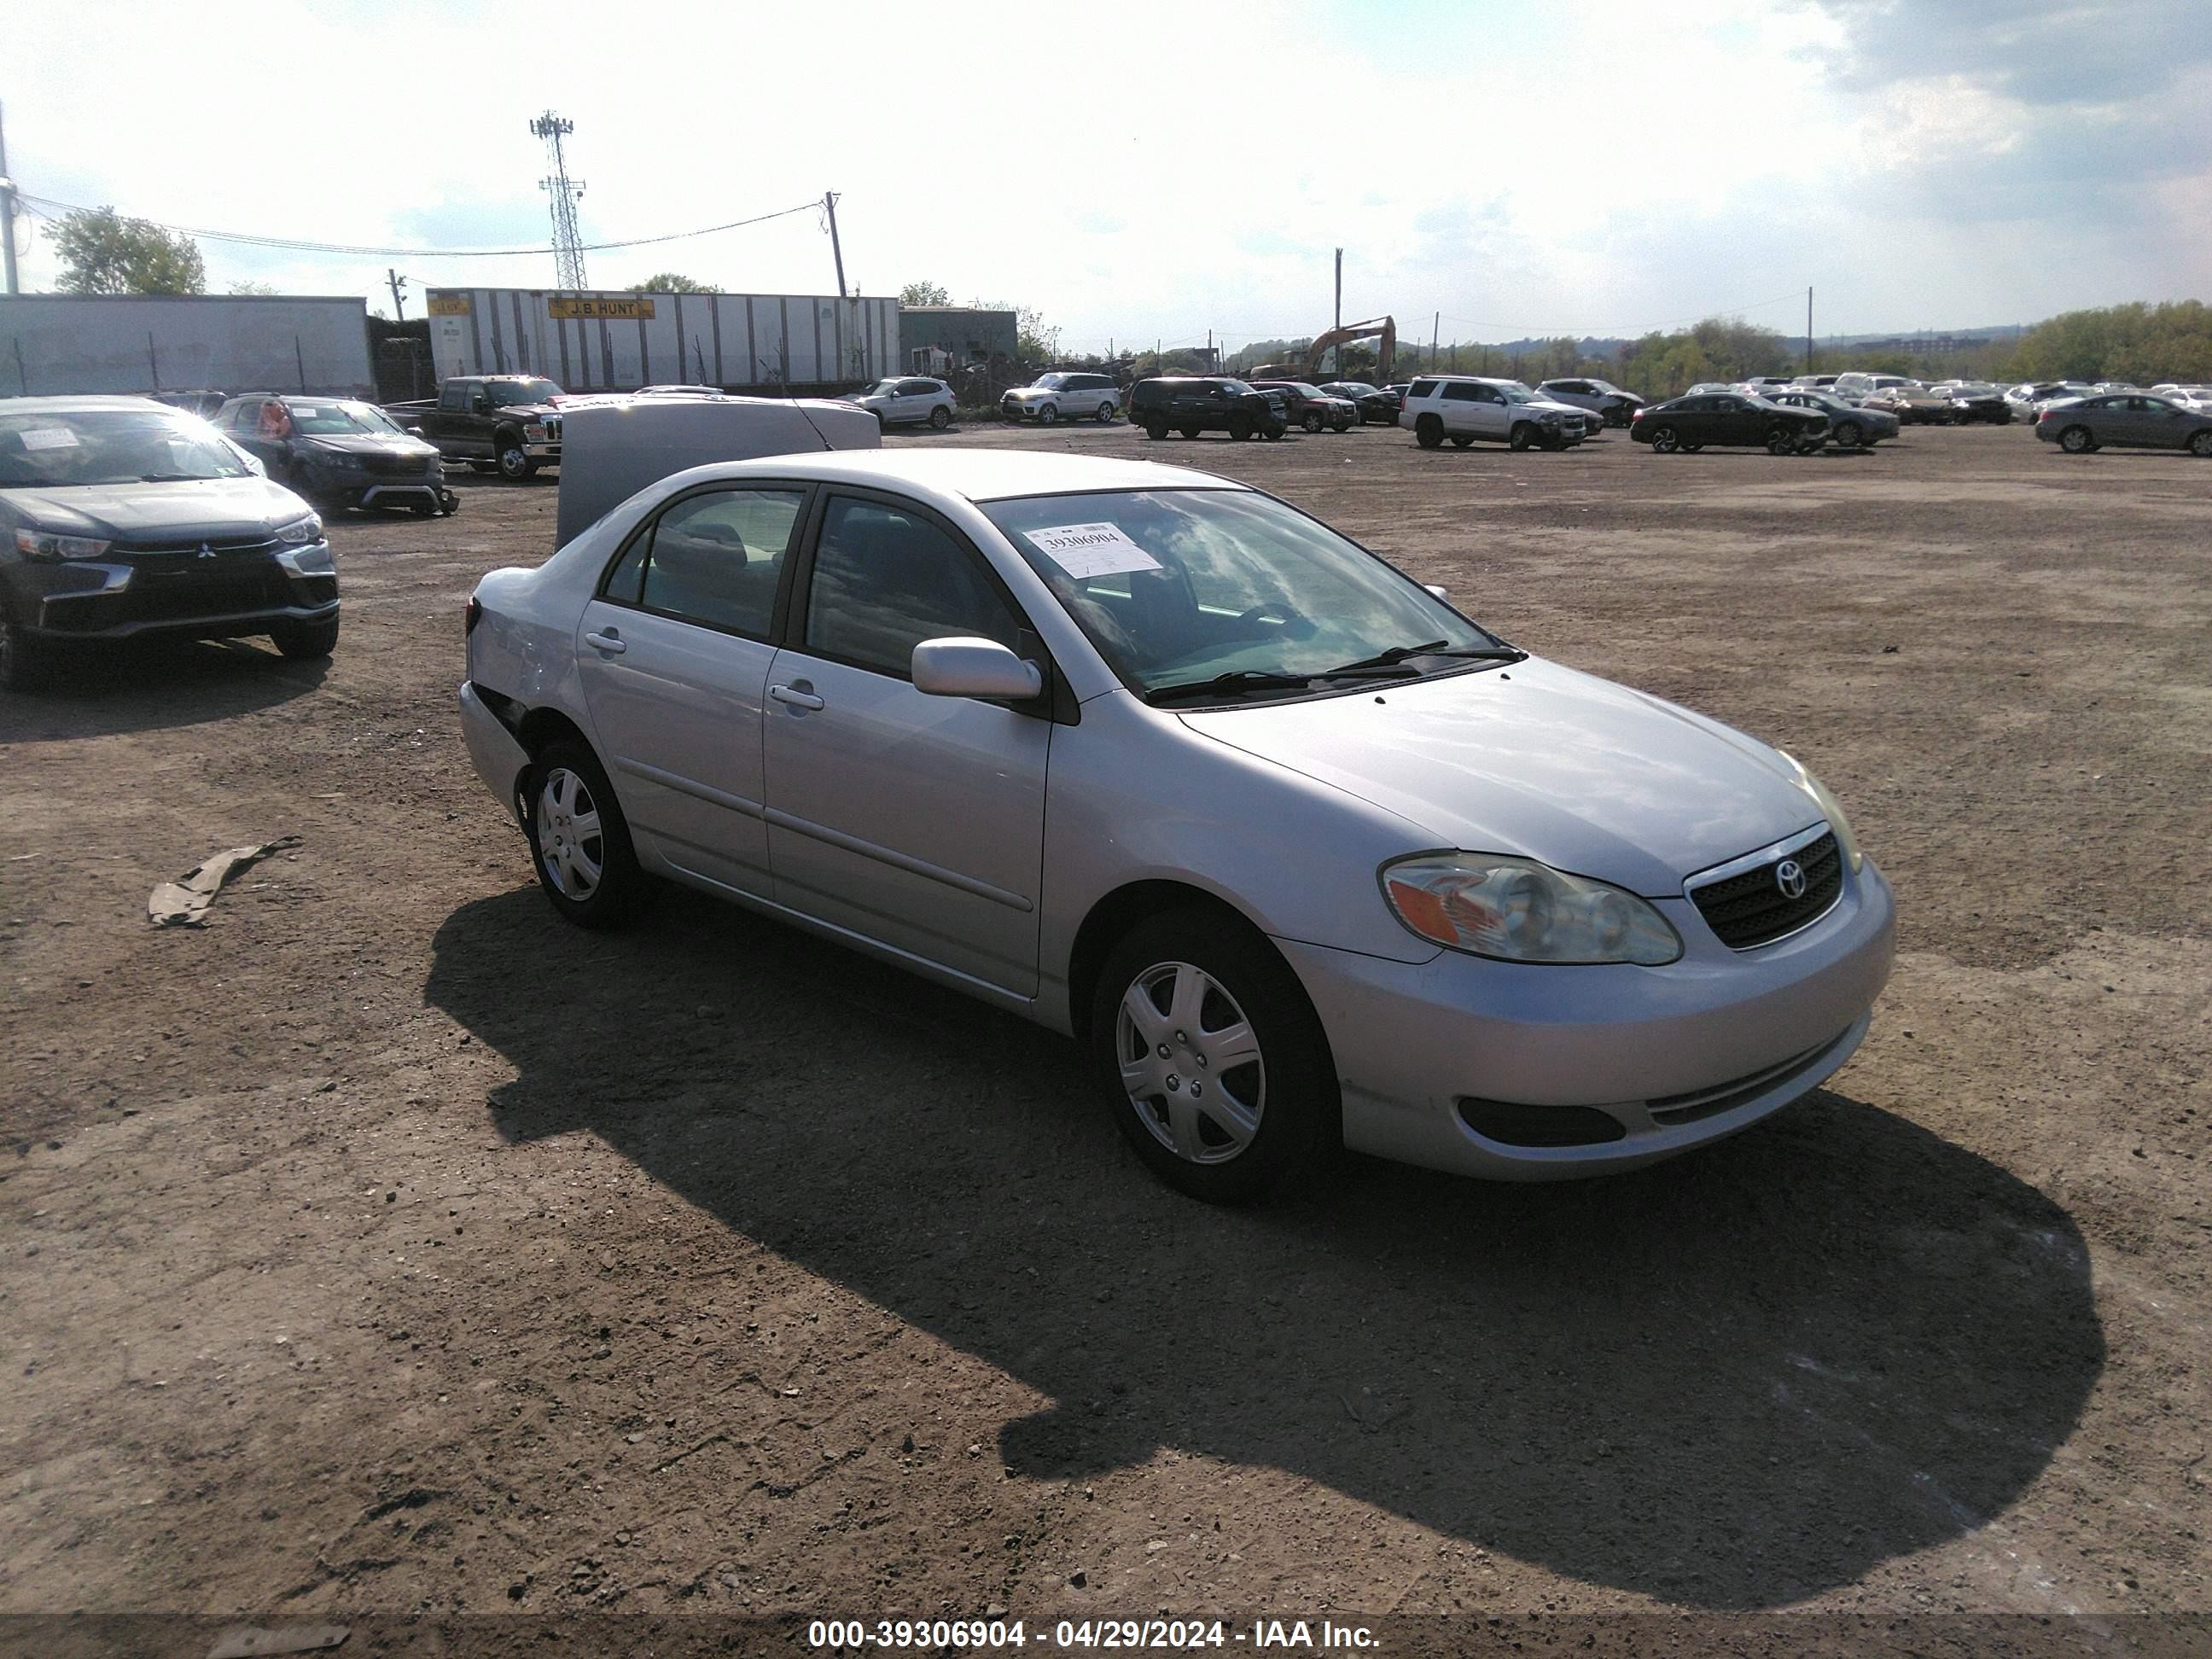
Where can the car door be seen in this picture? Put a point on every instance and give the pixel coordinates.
(914, 821)
(2159, 424)
(1460, 403)
(673, 652)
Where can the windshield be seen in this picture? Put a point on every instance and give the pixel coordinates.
(112, 446)
(1514, 392)
(1049, 382)
(503, 392)
(340, 420)
(1180, 586)
(1305, 391)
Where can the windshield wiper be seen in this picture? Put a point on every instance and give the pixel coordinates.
(1239, 679)
(173, 478)
(1396, 654)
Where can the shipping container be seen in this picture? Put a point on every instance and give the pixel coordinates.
(54, 343)
(617, 340)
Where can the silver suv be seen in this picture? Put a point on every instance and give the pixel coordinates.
(1466, 407)
(1063, 395)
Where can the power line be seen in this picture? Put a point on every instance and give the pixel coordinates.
(297, 245)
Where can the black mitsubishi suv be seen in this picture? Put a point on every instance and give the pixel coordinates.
(121, 519)
(1195, 403)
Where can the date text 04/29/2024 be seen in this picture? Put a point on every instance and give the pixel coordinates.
(1268, 1635)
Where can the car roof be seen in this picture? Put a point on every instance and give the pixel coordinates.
(87, 401)
(980, 475)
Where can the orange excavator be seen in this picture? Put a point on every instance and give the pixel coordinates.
(1385, 326)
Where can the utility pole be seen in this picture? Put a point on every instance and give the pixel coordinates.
(563, 193)
(1339, 323)
(836, 251)
(1808, 330)
(7, 217)
(1436, 335)
(398, 300)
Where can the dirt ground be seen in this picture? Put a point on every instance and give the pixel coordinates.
(388, 1247)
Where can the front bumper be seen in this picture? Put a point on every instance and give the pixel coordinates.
(542, 452)
(1662, 1059)
(85, 600)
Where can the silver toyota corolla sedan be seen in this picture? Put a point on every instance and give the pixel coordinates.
(1301, 853)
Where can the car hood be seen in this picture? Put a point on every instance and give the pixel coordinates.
(1026, 391)
(162, 512)
(369, 443)
(1539, 760)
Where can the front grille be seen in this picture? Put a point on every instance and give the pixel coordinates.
(232, 547)
(1751, 908)
(395, 467)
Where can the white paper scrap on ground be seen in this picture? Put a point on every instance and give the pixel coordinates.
(184, 903)
(1084, 550)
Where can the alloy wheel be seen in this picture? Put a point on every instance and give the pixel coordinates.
(570, 844)
(1190, 1063)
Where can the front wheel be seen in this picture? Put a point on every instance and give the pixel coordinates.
(1848, 435)
(1429, 432)
(2200, 444)
(23, 658)
(1521, 436)
(1049, 416)
(1156, 430)
(1313, 423)
(2076, 440)
(1780, 440)
(305, 640)
(1189, 432)
(1240, 427)
(515, 462)
(579, 841)
(940, 418)
(1221, 1076)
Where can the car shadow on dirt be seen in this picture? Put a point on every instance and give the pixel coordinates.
(1732, 1381)
(152, 685)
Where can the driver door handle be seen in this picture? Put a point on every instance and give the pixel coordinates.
(795, 697)
(611, 643)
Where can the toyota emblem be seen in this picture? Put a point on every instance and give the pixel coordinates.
(1789, 876)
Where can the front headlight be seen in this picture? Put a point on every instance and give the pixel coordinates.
(1830, 809)
(301, 532)
(53, 544)
(1518, 910)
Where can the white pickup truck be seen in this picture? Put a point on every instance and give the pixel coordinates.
(1466, 407)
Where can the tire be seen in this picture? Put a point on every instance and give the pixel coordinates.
(1273, 433)
(564, 785)
(1248, 1040)
(1429, 432)
(24, 660)
(1313, 423)
(2200, 444)
(1240, 427)
(940, 418)
(1189, 432)
(1156, 430)
(1780, 440)
(1665, 440)
(515, 462)
(1049, 416)
(1461, 441)
(1554, 441)
(1344, 424)
(1691, 449)
(1106, 413)
(1521, 436)
(305, 640)
(1849, 436)
(2076, 440)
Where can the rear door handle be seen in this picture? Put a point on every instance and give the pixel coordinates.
(611, 643)
(795, 697)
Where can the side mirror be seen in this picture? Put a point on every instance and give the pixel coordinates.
(974, 668)
(1439, 593)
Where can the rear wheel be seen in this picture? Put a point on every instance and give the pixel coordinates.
(1461, 441)
(2076, 440)
(579, 841)
(1429, 432)
(1665, 440)
(1105, 411)
(940, 418)
(1221, 1072)
(305, 640)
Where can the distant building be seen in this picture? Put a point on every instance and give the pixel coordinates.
(936, 339)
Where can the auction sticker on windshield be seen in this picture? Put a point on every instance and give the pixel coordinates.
(1084, 550)
(50, 437)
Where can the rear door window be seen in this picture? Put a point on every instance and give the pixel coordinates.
(1421, 389)
(714, 559)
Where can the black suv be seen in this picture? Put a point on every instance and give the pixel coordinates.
(1191, 404)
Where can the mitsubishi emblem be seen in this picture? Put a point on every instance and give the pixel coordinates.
(207, 551)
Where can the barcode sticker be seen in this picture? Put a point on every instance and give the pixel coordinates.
(1084, 550)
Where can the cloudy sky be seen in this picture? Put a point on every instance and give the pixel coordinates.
(1139, 172)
